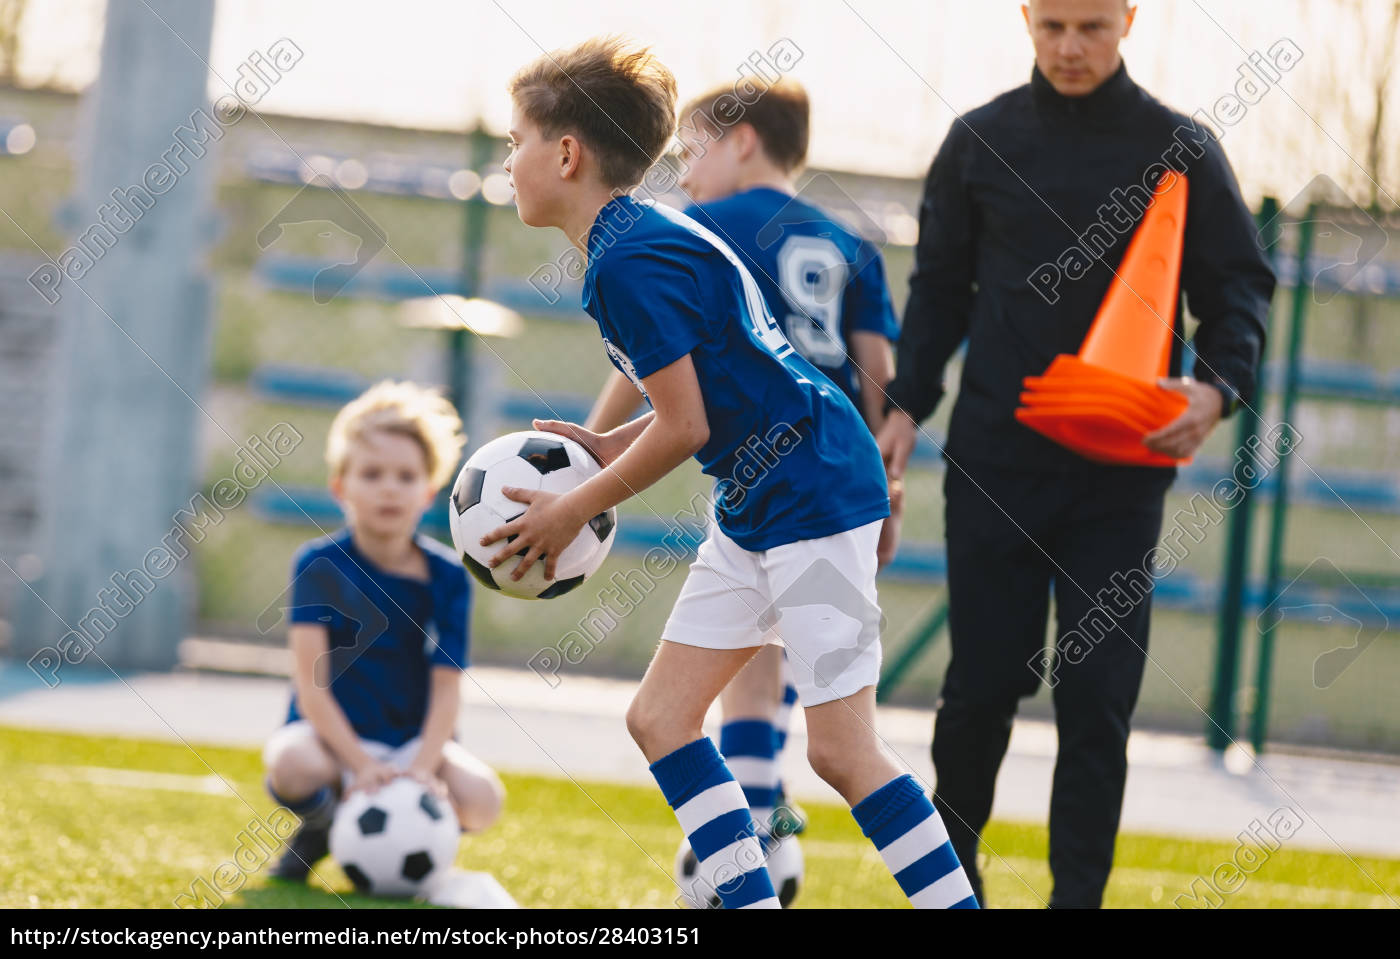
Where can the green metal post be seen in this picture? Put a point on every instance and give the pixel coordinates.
(1302, 290)
(1220, 725)
(924, 634)
(459, 346)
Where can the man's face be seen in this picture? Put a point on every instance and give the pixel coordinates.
(1076, 41)
(710, 170)
(533, 165)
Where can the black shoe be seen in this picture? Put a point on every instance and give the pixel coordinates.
(308, 845)
(974, 879)
(788, 819)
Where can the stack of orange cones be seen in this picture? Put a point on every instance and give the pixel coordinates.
(1101, 403)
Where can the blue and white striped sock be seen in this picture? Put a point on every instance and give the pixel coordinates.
(899, 819)
(783, 719)
(747, 745)
(782, 722)
(715, 819)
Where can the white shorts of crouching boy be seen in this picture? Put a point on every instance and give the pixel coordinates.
(816, 596)
(397, 756)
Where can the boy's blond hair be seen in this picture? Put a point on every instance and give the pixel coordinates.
(405, 409)
(617, 98)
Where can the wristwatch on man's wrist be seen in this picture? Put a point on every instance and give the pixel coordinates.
(1229, 396)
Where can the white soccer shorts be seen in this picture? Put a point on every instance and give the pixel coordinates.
(817, 595)
(397, 756)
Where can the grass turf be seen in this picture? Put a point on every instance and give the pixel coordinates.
(113, 822)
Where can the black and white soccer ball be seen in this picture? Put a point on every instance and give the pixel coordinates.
(397, 841)
(528, 460)
(786, 868)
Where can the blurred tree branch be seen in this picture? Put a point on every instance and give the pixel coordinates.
(1375, 156)
(1350, 92)
(1358, 90)
(11, 15)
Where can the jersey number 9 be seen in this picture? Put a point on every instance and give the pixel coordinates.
(813, 273)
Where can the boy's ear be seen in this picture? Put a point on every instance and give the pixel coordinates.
(570, 156)
(337, 486)
(746, 140)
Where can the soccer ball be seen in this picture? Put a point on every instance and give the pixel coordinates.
(527, 460)
(397, 841)
(785, 869)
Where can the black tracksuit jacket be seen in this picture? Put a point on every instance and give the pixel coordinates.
(1021, 196)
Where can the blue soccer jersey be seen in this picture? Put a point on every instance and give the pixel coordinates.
(790, 454)
(386, 631)
(821, 281)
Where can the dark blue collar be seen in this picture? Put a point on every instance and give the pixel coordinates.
(1106, 100)
(615, 218)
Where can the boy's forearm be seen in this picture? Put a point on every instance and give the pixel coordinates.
(654, 452)
(632, 430)
(328, 720)
(444, 701)
(874, 360)
(309, 644)
(619, 397)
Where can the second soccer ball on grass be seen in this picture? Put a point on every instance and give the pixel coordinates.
(398, 841)
(785, 868)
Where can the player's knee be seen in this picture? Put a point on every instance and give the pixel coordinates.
(483, 803)
(643, 724)
(658, 728)
(288, 780)
(828, 762)
(297, 771)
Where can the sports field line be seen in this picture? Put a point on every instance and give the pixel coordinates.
(133, 779)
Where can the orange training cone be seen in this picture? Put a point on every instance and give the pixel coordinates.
(1132, 334)
(1102, 402)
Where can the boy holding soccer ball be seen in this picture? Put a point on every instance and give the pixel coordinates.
(379, 617)
(825, 286)
(794, 544)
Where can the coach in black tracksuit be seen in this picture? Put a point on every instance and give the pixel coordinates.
(1010, 195)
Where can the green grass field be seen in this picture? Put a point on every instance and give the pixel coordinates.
(111, 822)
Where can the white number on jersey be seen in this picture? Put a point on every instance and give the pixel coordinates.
(769, 333)
(813, 273)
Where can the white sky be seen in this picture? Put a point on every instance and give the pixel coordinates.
(883, 90)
